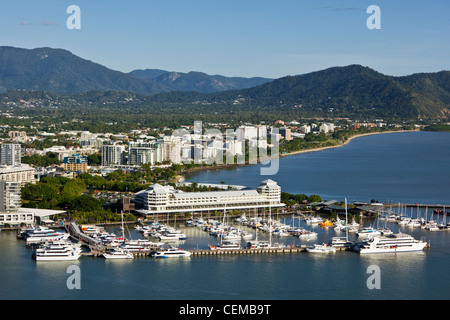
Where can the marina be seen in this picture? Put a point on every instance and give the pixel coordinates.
(289, 272)
(247, 231)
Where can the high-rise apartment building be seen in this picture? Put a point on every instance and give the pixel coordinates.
(10, 154)
(112, 155)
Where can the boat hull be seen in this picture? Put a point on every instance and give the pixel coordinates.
(417, 247)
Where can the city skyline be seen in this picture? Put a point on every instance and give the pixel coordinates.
(264, 38)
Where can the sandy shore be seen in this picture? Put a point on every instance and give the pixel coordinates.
(344, 143)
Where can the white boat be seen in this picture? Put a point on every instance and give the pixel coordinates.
(264, 245)
(48, 237)
(403, 221)
(386, 231)
(118, 254)
(91, 230)
(226, 245)
(280, 233)
(41, 230)
(144, 243)
(246, 235)
(415, 223)
(172, 236)
(394, 243)
(171, 253)
(305, 234)
(134, 247)
(231, 236)
(61, 246)
(368, 232)
(321, 248)
(57, 256)
(57, 252)
(338, 242)
(313, 220)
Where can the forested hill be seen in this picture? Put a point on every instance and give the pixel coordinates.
(354, 91)
(58, 70)
(351, 91)
(198, 81)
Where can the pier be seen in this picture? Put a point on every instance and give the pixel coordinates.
(417, 205)
(98, 251)
(286, 250)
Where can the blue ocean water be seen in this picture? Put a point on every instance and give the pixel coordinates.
(401, 167)
(407, 167)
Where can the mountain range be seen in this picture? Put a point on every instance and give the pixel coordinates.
(59, 70)
(340, 91)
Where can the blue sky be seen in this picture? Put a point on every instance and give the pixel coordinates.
(237, 37)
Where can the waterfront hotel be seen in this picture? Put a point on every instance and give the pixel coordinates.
(158, 199)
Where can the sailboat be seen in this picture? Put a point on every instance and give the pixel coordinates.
(229, 244)
(119, 253)
(342, 241)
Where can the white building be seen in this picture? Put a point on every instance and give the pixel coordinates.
(158, 199)
(112, 155)
(327, 127)
(305, 129)
(10, 154)
(9, 196)
(22, 174)
(145, 153)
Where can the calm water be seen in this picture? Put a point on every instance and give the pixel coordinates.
(401, 167)
(411, 167)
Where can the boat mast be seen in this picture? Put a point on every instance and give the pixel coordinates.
(270, 225)
(346, 221)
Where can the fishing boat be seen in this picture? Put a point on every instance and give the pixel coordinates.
(321, 248)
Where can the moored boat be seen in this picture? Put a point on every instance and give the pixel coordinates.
(391, 244)
(118, 254)
(321, 248)
(226, 245)
(171, 253)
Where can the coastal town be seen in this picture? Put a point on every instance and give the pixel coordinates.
(107, 169)
(77, 181)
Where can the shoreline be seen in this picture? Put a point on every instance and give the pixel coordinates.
(181, 176)
(343, 143)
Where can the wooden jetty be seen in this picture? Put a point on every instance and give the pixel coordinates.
(98, 251)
